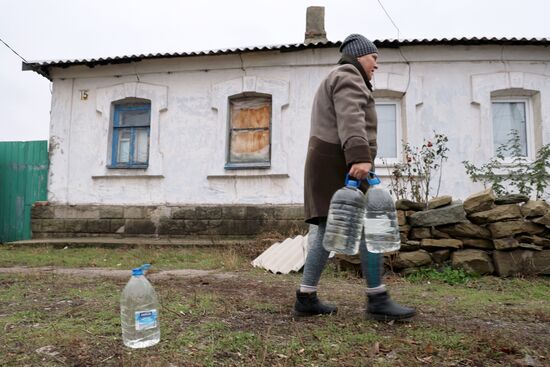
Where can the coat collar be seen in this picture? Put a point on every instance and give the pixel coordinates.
(348, 59)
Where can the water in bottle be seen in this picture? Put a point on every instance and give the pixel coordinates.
(345, 219)
(381, 227)
(139, 312)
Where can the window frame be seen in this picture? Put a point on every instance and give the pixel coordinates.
(388, 162)
(248, 165)
(123, 106)
(529, 124)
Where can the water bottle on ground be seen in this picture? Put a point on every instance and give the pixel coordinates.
(345, 219)
(381, 227)
(139, 312)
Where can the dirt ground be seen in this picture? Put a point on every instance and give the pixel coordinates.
(54, 317)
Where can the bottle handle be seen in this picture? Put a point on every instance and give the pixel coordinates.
(352, 181)
(372, 179)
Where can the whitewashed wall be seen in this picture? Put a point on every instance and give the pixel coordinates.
(445, 88)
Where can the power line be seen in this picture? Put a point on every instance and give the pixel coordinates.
(399, 48)
(15, 52)
(389, 17)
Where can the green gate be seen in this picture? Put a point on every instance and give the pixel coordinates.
(23, 180)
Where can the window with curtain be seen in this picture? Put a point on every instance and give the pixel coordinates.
(389, 136)
(249, 135)
(509, 116)
(131, 128)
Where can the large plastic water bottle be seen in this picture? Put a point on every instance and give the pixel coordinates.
(381, 225)
(139, 312)
(345, 219)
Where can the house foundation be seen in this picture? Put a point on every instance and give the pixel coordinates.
(57, 221)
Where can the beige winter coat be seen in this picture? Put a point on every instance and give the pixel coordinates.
(343, 132)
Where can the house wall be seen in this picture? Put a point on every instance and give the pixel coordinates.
(444, 88)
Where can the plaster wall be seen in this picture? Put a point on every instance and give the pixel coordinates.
(441, 88)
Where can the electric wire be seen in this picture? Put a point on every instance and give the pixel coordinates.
(12, 50)
(398, 47)
(390, 18)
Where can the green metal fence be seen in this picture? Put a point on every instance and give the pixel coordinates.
(23, 180)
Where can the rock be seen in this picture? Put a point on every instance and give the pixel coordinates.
(453, 213)
(514, 227)
(440, 256)
(410, 246)
(440, 201)
(530, 246)
(352, 259)
(541, 262)
(506, 243)
(473, 261)
(442, 243)
(480, 201)
(477, 243)
(511, 199)
(401, 218)
(527, 361)
(412, 259)
(498, 213)
(47, 350)
(526, 239)
(403, 237)
(535, 208)
(436, 233)
(466, 229)
(535, 240)
(508, 263)
(419, 233)
(545, 220)
(540, 241)
(404, 204)
(404, 228)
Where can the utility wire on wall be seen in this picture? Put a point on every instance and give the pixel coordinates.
(12, 50)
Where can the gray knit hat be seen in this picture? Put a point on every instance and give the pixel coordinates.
(357, 45)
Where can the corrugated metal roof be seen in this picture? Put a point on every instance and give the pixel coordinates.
(42, 67)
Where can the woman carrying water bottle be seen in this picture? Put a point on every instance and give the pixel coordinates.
(343, 140)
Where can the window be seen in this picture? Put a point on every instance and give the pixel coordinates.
(509, 115)
(249, 143)
(389, 132)
(131, 128)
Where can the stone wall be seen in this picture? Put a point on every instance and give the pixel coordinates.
(485, 235)
(57, 221)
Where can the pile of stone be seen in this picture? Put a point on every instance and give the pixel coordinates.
(484, 235)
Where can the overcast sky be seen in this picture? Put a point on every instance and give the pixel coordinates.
(69, 29)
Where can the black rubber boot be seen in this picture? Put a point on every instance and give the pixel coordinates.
(307, 304)
(381, 307)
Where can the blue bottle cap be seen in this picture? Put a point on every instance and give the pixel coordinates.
(137, 271)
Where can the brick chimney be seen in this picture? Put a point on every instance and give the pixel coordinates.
(315, 25)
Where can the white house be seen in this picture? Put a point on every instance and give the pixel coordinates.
(214, 142)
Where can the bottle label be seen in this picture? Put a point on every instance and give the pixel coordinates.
(146, 319)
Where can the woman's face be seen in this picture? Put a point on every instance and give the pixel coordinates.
(369, 64)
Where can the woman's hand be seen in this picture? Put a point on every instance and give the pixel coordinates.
(360, 170)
